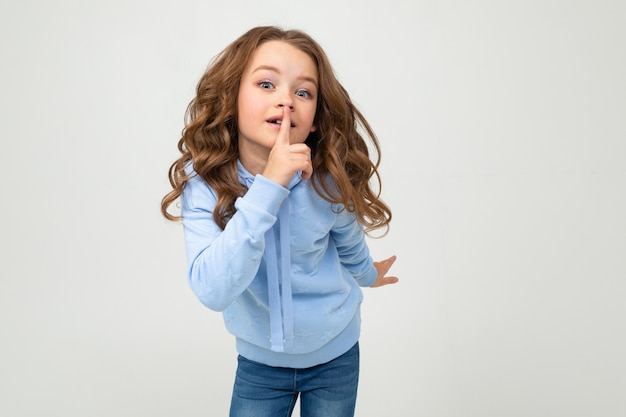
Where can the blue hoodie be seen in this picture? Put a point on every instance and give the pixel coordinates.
(286, 271)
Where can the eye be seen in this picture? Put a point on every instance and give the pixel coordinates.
(304, 94)
(266, 85)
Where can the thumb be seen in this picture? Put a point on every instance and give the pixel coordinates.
(283, 133)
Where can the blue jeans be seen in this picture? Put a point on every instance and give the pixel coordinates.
(327, 390)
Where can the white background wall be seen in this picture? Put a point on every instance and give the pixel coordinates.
(503, 132)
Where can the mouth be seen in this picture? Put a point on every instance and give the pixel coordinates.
(278, 121)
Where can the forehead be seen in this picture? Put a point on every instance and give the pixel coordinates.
(283, 56)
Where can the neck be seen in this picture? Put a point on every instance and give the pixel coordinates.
(254, 160)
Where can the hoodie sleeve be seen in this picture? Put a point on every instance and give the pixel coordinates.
(223, 263)
(352, 247)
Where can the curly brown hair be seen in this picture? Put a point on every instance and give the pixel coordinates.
(342, 168)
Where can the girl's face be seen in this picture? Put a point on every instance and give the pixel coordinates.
(277, 75)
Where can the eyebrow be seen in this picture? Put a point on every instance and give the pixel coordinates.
(276, 70)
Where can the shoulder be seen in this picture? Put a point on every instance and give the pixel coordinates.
(197, 192)
(316, 202)
(326, 189)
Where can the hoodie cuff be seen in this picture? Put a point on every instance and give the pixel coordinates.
(369, 278)
(266, 194)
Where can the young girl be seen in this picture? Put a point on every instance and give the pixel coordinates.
(274, 188)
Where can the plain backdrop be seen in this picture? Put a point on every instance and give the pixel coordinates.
(503, 131)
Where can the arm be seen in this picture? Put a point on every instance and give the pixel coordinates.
(222, 264)
(352, 248)
(354, 253)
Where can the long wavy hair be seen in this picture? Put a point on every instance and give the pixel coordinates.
(342, 168)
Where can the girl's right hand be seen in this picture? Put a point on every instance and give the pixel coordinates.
(286, 159)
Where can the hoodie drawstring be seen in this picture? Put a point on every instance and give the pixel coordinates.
(280, 302)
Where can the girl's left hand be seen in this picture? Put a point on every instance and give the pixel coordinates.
(383, 267)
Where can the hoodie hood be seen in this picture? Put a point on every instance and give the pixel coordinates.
(277, 256)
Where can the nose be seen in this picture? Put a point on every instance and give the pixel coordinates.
(285, 100)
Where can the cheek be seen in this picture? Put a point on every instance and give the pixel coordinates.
(247, 108)
(246, 101)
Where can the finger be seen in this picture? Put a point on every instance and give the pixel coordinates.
(389, 280)
(283, 133)
(385, 265)
(381, 282)
(307, 171)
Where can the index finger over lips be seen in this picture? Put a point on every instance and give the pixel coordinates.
(283, 133)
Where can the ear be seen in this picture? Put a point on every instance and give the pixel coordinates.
(313, 128)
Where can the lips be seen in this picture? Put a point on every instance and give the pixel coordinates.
(278, 121)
